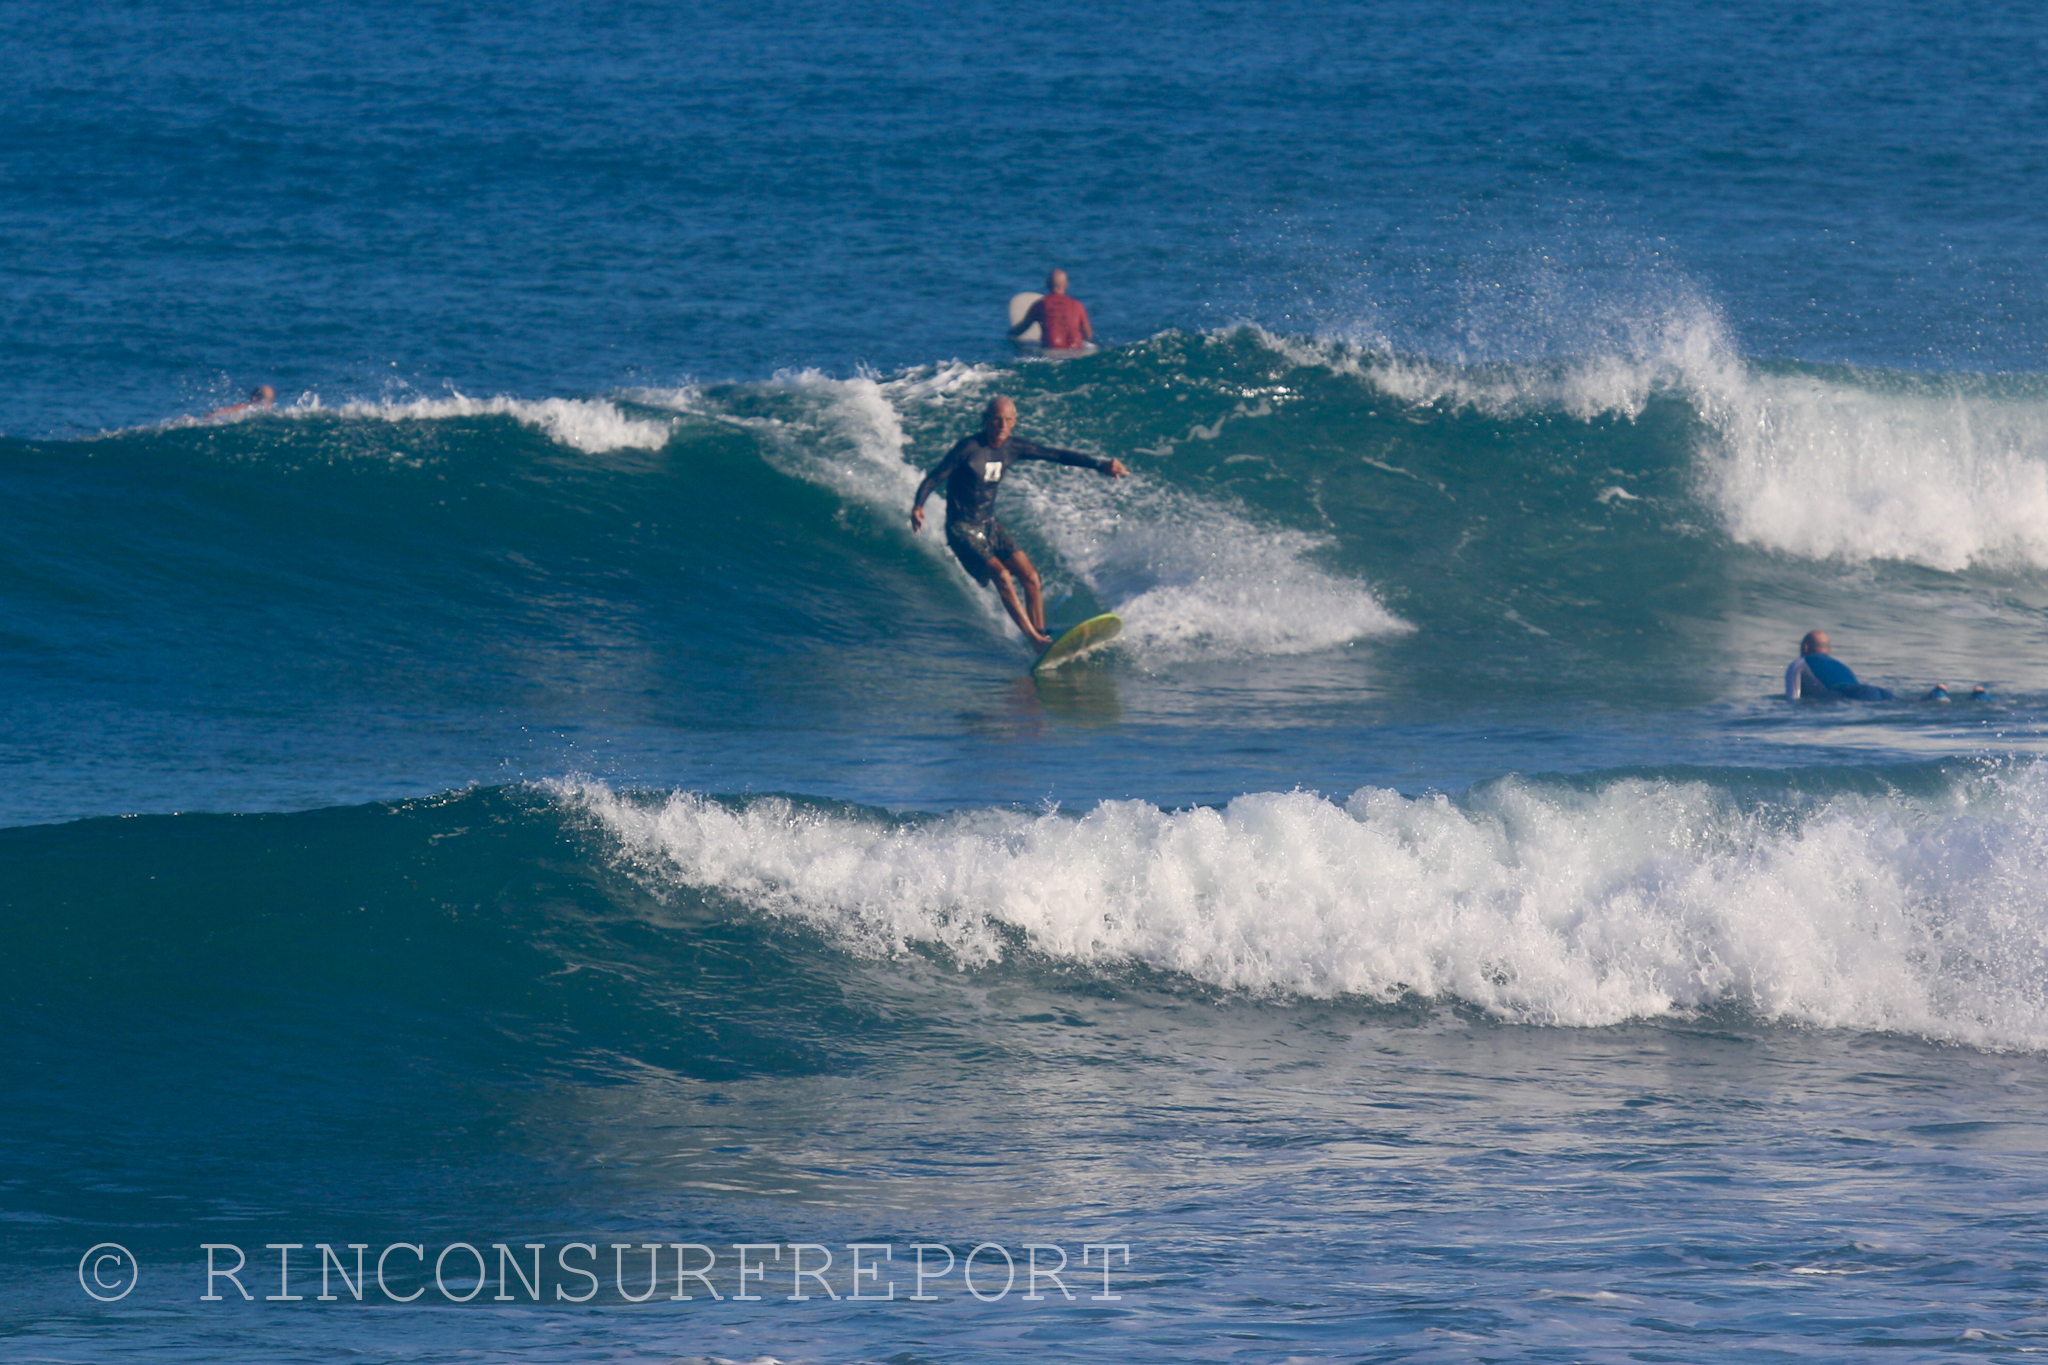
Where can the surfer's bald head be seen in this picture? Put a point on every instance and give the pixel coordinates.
(1057, 282)
(1816, 642)
(999, 419)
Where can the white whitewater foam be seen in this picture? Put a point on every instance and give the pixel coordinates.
(1942, 473)
(1540, 904)
(591, 425)
(1195, 580)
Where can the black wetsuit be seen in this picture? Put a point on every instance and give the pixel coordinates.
(973, 474)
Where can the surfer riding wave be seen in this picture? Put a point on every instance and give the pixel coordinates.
(973, 474)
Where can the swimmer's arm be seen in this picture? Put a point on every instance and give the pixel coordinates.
(1033, 315)
(1031, 450)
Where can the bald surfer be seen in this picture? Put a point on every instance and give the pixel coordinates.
(973, 473)
(1817, 673)
(1062, 320)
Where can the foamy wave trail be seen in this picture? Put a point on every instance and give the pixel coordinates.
(591, 425)
(1539, 903)
(1193, 578)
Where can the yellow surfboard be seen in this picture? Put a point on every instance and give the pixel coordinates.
(1090, 635)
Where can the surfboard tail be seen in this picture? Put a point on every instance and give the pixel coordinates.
(1085, 638)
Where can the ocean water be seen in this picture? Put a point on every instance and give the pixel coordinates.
(523, 822)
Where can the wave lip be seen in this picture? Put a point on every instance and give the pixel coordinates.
(591, 425)
(1612, 374)
(1538, 903)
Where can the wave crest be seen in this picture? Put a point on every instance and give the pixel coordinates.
(591, 425)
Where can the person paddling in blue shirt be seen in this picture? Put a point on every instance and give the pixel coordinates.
(1817, 674)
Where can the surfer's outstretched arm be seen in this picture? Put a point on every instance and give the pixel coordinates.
(1031, 450)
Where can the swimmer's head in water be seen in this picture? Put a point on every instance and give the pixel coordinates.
(998, 420)
(1056, 283)
(264, 394)
(1816, 642)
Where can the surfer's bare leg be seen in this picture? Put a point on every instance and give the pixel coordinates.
(1007, 588)
(1034, 597)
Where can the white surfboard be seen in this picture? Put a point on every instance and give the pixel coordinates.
(1020, 304)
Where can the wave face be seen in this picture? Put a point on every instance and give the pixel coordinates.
(529, 1016)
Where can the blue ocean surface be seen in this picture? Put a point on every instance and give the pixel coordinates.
(516, 851)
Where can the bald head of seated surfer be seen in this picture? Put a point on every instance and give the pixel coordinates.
(1817, 673)
(972, 473)
(1062, 321)
(262, 398)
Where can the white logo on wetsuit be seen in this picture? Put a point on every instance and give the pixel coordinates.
(992, 471)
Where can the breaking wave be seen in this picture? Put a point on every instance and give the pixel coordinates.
(1539, 903)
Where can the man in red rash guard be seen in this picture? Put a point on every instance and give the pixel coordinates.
(1062, 321)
